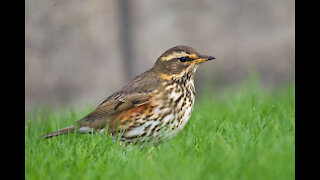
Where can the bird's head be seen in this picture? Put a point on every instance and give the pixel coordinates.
(178, 61)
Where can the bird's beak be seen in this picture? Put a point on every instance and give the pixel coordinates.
(203, 58)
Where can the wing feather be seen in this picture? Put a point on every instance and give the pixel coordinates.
(136, 93)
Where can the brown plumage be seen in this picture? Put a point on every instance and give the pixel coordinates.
(156, 105)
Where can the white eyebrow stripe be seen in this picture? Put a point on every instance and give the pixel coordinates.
(174, 55)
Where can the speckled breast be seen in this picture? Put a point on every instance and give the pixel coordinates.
(171, 111)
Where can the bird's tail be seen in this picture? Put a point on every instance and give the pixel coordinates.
(66, 130)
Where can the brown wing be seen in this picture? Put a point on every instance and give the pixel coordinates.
(135, 94)
(113, 106)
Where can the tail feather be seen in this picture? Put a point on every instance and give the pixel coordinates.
(66, 130)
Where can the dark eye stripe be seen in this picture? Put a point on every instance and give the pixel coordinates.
(184, 59)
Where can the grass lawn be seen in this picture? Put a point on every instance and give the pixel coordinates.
(236, 133)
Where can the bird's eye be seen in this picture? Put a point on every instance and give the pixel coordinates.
(184, 59)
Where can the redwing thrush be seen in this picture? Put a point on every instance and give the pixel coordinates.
(155, 106)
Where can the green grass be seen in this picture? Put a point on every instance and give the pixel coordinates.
(244, 132)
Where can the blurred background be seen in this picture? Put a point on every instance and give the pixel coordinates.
(78, 52)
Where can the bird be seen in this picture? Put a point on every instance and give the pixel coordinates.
(153, 107)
